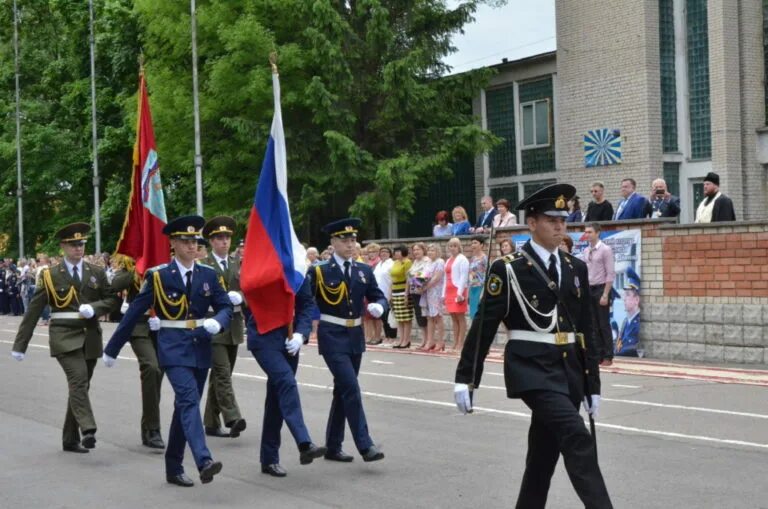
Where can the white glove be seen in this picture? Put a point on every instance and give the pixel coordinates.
(86, 310)
(211, 326)
(375, 309)
(461, 395)
(293, 345)
(592, 409)
(18, 356)
(108, 361)
(235, 298)
(124, 308)
(154, 323)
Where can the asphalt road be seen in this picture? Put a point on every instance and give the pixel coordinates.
(663, 442)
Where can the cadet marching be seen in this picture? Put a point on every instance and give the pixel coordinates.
(186, 319)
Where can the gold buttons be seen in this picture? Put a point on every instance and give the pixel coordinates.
(565, 354)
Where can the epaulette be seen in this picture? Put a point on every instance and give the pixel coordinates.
(157, 267)
(511, 257)
(324, 262)
(205, 265)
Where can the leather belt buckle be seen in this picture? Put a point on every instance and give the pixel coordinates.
(191, 324)
(561, 338)
(350, 322)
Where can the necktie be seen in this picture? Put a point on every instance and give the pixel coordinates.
(76, 276)
(224, 265)
(188, 290)
(552, 270)
(346, 272)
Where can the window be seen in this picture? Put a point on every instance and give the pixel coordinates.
(535, 116)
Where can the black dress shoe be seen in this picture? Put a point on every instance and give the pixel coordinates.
(152, 439)
(235, 427)
(274, 470)
(75, 448)
(89, 440)
(209, 470)
(181, 479)
(310, 453)
(373, 454)
(338, 456)
(216, 432)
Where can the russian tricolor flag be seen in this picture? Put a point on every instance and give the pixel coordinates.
(274, 262)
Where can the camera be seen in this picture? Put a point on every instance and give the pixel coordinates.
(660, 192)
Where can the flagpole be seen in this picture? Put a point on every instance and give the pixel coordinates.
(96, 206)
(19, 189)
(196, 106)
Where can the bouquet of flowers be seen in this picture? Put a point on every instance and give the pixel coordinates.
(416, 282)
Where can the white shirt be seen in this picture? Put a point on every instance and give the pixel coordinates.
(341, 261)
(70, 268)
(183, 270)
(382, 275)
(544, 254)
(219, 260)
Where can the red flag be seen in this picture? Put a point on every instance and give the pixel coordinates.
(142, 237)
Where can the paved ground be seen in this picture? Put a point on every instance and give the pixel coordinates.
(683, 442)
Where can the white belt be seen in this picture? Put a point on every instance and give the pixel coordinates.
(67, 315)
(344, 322)
(558, 338)
(181, 324)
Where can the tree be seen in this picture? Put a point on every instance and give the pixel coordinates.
(369, 118)
(56, 112)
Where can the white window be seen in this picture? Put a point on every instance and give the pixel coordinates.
(535, 123)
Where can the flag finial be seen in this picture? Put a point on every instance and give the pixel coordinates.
(273, 61)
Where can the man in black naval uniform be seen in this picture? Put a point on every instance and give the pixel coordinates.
(550, 360)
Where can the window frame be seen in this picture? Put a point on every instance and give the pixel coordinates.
(535, 145)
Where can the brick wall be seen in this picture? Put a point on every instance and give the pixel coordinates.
(608, 76)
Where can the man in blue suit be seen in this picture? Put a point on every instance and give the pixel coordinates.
(339, 286)
(277, 352)
(180, 293)
(629, 333)
(633, 206)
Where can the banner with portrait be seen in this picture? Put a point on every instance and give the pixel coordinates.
(625, 305)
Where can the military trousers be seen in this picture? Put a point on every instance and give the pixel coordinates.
(557, 428)
(347, 403)
(79, 417)
(221, 395)
(145, 349)
(281, 404)
(186, 424)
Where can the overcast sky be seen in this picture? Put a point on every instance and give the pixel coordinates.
(521, 28)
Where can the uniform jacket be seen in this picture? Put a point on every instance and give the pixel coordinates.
(69, 335)
(627, 339)
(637, 207)
(177, 347)
(332, 338)
(529, 365)
(302, 323)
(126, 281)
(232, 335)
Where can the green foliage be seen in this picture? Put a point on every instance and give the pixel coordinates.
(369, 119)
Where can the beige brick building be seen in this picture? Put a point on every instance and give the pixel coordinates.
(681, 81)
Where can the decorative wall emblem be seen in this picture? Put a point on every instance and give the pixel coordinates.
(602, 147)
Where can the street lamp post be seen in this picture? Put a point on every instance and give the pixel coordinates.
(19, 189)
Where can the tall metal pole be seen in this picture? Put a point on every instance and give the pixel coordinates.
(196, 106)
(96, 205)
(19, 190)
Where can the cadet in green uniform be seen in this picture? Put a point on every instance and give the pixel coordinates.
(221, 395)
(144, 345)
(78, 294)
